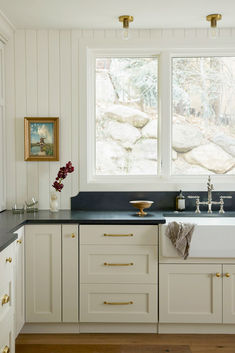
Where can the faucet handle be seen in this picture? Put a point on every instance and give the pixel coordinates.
(197, 202)
(193, 197)
(222, 203)
(225, 197)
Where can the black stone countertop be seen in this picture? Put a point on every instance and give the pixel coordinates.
(9, 222)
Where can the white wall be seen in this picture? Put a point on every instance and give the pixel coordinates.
(42, 80)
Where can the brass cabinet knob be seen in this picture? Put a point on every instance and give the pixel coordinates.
(5, 299)
(6, 349)
(73, 235)
(19, 241)
(9, 259)
(218, 274)
(227, 275)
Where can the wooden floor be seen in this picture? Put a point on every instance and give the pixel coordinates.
(125, 343)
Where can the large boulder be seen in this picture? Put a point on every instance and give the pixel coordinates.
(226, 142)
(125, 114)
(142, 167)
(125, 133)
(186, 137)
(212, 157)
(145, 149)
(111, 158)
(150, 129)
(181, 167)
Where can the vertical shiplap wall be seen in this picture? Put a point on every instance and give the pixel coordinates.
(39, 82)
(42, 79)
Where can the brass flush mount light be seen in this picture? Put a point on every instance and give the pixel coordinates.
(213, 18)
(126, 19)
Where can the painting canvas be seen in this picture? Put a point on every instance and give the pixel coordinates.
(41, 139)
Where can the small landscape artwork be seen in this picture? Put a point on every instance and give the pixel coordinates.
(41, 139)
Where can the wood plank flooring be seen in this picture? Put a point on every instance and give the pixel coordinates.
(124, 343)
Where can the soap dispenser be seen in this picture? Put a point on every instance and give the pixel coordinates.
(180, 202)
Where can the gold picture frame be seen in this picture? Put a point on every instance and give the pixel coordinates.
(41, 139)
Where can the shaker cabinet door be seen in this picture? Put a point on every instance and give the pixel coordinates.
(43, 273)
(190, 293)
(19, 283)
(229, 294)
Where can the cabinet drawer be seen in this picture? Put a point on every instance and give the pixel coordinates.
(6, 332)
(118, 303)
(119, 264)
(119, 234)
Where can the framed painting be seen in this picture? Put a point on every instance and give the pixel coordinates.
(41, 139)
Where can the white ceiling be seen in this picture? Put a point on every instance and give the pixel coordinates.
(104, 13)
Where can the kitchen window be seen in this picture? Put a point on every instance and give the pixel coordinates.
(126, 115)
(155, 121)
(203, 115)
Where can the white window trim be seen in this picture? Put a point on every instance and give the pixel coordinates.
(88, 51)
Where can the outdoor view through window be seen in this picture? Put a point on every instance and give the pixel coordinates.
(203, 139)
(126, 116)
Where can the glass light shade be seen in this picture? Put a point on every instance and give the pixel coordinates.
(125, 34)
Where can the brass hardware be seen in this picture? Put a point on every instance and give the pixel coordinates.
(227, 275)
(126, 19)
(5, 299)
(118, 303)
(6, 349)
(141, 205)
(9, 259)
(19, 241)
(110, 264)
(218, 274)
(73, 235)
(213, 18)
(118, 235)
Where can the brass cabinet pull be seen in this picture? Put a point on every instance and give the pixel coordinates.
(6, 349)
(19, 241)
(5, 299)
(9, 259)
(111, 264)
(227, 275)
(73, 235)
(118, 303)
(218, 274)
(118, 235)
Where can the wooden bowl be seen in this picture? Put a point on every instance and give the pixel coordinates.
(141, 205)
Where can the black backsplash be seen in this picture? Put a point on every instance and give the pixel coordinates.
(163, 200)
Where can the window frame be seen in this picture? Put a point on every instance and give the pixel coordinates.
(164, 180)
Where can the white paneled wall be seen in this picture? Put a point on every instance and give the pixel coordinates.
(40, 83)
(42, 79)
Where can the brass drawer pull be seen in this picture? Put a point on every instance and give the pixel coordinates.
(118, 235)
(5, 299)
(118, 303)
(9, 259)
(111, 264)
(218, 274)
(73, 235)
(19, 241)
(227, 275)
(6, 349)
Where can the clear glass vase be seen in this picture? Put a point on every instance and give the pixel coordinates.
(54, 204)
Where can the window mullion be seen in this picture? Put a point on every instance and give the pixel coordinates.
(165, 127)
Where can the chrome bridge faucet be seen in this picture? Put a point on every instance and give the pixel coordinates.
(210, 202)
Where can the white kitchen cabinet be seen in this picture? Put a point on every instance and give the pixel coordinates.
(7, 258)
(51, 253)
(19, 283)
(2, 132)
(70, 273)
(229, 294)
(43, 273)
(118, 274)
(190, 293)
